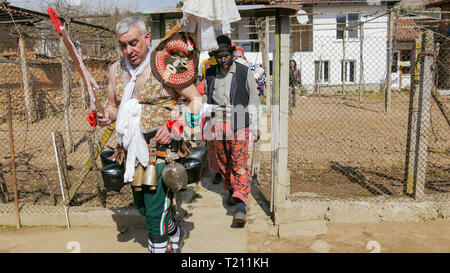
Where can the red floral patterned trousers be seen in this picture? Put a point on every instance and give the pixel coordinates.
(232, 160)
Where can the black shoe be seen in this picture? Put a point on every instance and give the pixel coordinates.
(230, 200)
(217, 179)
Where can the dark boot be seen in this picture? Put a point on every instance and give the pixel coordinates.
(240, 216)
(230, 200)
(217, 179)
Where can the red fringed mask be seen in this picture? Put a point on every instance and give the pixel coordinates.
(174, 61)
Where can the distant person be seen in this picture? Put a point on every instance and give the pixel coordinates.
(239, 56)
(295, 80)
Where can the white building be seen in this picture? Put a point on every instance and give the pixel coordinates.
(318, 45)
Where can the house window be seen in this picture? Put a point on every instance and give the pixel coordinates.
(341, 20)
(348, 21)
(245, 35)
(348, 71)
(301, 36)
(322, 71)
(394, 66)
(405, 59)
(352, 25)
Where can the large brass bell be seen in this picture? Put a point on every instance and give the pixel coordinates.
(150, 178)
(137, 179)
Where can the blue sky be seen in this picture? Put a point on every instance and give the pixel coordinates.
(138, 5)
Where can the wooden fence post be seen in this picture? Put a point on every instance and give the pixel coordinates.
(275, 112)
(280, 114)
(361, 60)
(343, 63)
(268, 87)
(66, 77)
(417, 147)
(283, 187)
(387, 98)
(26, 84)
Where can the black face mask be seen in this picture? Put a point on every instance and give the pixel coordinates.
(224, 59)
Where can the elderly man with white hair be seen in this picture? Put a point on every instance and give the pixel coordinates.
(134, 101)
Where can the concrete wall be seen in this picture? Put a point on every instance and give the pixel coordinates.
(369, 210)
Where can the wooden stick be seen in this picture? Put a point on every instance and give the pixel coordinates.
(60, 181)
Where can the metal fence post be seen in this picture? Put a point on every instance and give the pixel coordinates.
(13, 162)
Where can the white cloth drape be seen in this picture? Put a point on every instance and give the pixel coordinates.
(128, 127)
(207, 16)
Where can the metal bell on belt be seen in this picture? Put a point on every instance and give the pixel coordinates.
(174, 176)
(150, 177)
(138, 175)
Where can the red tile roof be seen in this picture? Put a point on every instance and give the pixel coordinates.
(407, 29)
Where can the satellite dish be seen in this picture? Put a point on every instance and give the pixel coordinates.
(302, 17)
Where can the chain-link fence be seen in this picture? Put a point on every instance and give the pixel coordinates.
(57, 104)
(359, 124)
(349, 112)
(349, 130)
